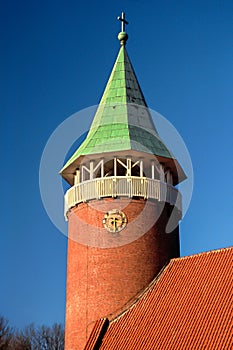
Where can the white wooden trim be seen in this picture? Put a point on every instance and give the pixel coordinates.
(77, 177)
(130, 186)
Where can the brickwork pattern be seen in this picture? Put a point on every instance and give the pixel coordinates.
(101, 281)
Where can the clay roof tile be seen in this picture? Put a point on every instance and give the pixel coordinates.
(188, 307)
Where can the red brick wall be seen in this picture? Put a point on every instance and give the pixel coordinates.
(100, 281)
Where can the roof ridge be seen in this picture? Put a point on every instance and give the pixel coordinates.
(189, 307)
(132, 302)
(218, 250)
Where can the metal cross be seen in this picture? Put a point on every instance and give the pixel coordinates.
(123, 21)
(116, 222)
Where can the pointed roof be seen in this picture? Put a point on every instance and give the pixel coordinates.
(122, 121)
(188, 306)
(123, 86)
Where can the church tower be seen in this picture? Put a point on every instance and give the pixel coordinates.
(121, 201)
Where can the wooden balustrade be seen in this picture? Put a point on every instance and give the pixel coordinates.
(122, 186)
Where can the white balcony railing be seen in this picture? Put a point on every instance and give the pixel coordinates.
(123, 186)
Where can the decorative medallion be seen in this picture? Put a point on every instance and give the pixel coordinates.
(115, 220)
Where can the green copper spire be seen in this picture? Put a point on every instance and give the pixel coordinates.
(122, 121)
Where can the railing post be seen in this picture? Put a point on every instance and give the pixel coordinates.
(77, 177)
(115, 166)
(153, 169)
(128, 169)
(141, 167)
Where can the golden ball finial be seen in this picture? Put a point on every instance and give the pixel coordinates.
(122, 37)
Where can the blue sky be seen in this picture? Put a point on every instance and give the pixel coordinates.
(56, 58)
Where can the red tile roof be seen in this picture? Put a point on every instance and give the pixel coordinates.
(188, 307)
(97, 333)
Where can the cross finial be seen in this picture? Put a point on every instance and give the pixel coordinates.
(122, 36)
(123, 21)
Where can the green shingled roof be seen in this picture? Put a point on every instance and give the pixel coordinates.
(122, 120)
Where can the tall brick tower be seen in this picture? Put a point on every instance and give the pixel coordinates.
(121, 199)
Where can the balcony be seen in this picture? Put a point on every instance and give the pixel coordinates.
(122, 186)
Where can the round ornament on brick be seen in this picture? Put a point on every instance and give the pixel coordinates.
(114, 221)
